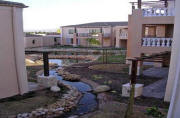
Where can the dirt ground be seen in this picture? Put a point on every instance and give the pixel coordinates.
(28, 102)
(115, 81)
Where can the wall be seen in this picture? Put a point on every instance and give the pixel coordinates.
(135, 33)
(13, 79)
(29, 42)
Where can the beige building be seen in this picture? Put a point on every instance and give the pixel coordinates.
(173, 87)
(150, 28)
(31, 40)
(121, 36)
(13, 78)
(104, 32)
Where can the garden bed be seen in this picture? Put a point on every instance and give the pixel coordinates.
(115, 81)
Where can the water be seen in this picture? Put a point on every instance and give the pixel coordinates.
(88, 101)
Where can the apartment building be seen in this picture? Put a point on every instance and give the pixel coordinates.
(13, 78)
(104, 32)
(150, 27)
(32, 40)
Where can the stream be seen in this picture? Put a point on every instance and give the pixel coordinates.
(88, 102)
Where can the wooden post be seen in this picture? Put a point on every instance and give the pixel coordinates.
(139, 4)
(166, 3)
(133, 76)
(46, 63)
(103, 55)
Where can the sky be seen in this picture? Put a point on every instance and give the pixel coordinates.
(51, 14)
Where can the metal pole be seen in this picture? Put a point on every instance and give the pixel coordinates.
(46, 64)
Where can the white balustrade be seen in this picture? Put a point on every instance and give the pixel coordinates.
(158, 12)
(156, 42)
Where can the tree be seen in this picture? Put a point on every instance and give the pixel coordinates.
(93, 41)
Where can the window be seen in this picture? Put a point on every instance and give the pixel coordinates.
(71, 31)
(94, 31)
(33, 41)
(71, 40)
(55, 40)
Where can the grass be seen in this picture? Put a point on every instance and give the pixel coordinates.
(96, 48)
(113, 59)
(114, 68)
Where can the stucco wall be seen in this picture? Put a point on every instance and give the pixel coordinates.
(13, 79)
(136, 31)
(38, 42)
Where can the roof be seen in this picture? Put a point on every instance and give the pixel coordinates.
(32, 35)
(99, 24)
(12, 4)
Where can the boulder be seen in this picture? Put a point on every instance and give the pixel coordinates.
(101, 88)
(55, 89)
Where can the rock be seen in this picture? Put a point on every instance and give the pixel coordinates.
(101, 88)
(55, 89)
(75, 116)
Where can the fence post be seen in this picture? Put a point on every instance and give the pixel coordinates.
(46, 63)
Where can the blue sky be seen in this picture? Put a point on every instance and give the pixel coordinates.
(51, 14)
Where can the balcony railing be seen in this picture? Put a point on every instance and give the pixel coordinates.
(82, 34)
(106, 35)
(158, 12)
(157, 42)
(123, 35)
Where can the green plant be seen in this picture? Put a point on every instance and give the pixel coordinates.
(93, 41)
(97, 77)
(154, 111)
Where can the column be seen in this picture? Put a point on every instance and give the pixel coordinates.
(173, 85)
(75, 39)
(19, 50)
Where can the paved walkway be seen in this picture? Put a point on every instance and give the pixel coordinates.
(157, 89)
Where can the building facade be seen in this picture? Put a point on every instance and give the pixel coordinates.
(104, 32)
(13, 78)
(31, 40)
(150, 28)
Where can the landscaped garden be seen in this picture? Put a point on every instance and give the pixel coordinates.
(100, 83)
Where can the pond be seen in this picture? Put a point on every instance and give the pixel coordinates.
(88, 102)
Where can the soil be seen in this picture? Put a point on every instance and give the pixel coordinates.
(28, 102)
(115, 81)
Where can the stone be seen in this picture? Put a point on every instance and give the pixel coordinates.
(47, 81)
(75, 116)
(101, 88)
(55, 89)
(126, 90)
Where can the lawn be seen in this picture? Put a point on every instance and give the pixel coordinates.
(113, 58)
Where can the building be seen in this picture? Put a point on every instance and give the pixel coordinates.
(104, 32)
(13, 78)
(174, 71)
(150, 28)
(32, 40)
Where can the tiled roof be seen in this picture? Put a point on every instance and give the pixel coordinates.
(99, 24)
(12, 4)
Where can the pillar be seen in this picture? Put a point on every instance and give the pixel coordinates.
(19, 49)
(174, 56)
(101, 39)
(174, 72)
(117, 43)
(75, 39)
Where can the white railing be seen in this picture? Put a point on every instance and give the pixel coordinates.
(157, 42)
(158, 12)
(123, 35)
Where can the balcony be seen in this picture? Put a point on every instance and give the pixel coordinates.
(158, 12)
(123, 36)
(157, 42)
(107, 35)
(155, 8)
